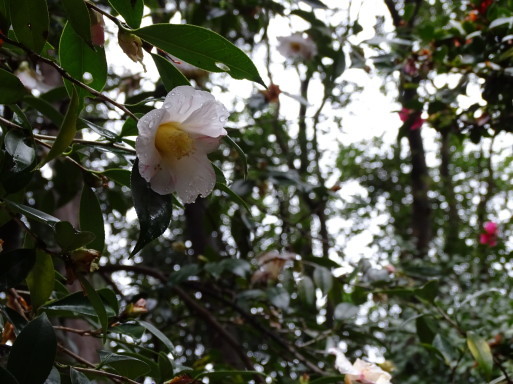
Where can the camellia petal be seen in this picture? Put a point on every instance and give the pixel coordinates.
(184, 100)
(194, 176)
(214, 114)
(174, 141)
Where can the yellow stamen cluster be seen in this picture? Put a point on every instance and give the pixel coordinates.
(172, 141)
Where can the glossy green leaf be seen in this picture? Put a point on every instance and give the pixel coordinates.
(158, 334)
(41, 279)
(170, 75)
(124, 365)
(77, 303)
(306, 291)
(67, 130)
(97, 303)
(34, 348)
(31, 213)
(78, 16)
(11, 88)
(20, 148)
(82, 62)
(69, 238)
(428, 291)
(6, 377)
(323, 279)
(153, 210)
(15, 266)
(78, 377)
(165, 367)
(91, 218)
(242, 156)
(481, 352)
(15, 319)
(30, 21)
(120, 176)
(129, 128)
(201, 47)
(131, 10)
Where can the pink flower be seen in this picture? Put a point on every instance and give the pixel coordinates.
(174, 141)
(405, 114)
(490, 236)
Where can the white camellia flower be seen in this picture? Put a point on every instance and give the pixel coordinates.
(361, 372)
(174, 141)
(297, 47)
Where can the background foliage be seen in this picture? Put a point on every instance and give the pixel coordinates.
(256, 282)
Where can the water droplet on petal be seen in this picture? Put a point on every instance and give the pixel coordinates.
(222, 119)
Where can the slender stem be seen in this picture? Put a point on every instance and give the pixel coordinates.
(88, 142)
(112, 376)
(9, 124)
(67, 76)
(82, 332)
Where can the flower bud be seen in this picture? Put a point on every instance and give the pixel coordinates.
(85, 260)
(132, 46)
(97, 28)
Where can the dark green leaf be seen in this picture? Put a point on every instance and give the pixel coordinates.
(69, 238)
(77, 304)
(481, 352)
(82, 62)
(201, 47)
(34, 348)
(30, 22)
(15, 319)
(131, 10)
(125, 365)
(120, 176)
(91, 218)
(15, 266)
(78, 16)
(242, 156)
(153, 210)
(129, 128)
(67, 131)
(158, 334)
(97, 303)
(11, 88)
(5, 16)
(41, 279)
(425, 329)
(165, 367)
(428, 291)
(31, 213)
(6, 377)
(18, 146)
(78, 377)
(184, 273)
(170, 75)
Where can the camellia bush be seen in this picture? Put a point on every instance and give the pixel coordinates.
(180, 196)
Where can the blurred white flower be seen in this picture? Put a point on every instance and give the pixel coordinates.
(174, 141)
(297, 47)
(361, 372)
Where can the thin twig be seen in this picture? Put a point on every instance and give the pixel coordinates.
(88, 142)
(67, 76)
(81, 332)
(113, 376)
